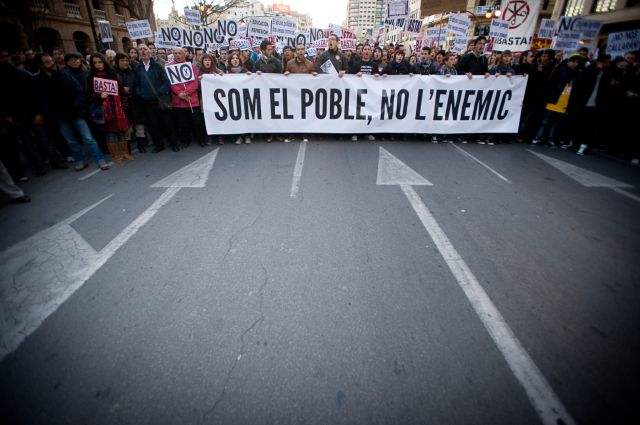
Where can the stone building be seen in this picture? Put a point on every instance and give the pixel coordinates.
(43, 24)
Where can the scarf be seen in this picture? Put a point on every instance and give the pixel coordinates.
(112, 106)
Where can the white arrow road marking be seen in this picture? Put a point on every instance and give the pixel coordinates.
(545, 402)
(297, 171)
(40, 273)
(193, 175)
(588, 178)
(392, 171)
(468, 155)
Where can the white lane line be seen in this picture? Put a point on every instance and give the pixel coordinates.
(625, 193)
(297, 171)
(500, 176)
(86, 176)
(545, 402)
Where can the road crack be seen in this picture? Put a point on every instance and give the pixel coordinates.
(243, 346)
(233, 237)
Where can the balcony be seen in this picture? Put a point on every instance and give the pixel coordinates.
(100, 14)
(72, 10)
(120, 21)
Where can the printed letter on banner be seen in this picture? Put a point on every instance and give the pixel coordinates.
(522, 16)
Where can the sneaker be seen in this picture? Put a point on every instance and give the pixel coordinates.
(553, 145)
(490, 143)
(635, 161)
(463, 141)
(583, 148)
(80, 167)
(247, 139)
(566, 146)
(238, 140)
(269, 139)
(354, 138)
(370, 137)
(286, 140)
(536, 142)
(482, 142)
(70, 159)
(304, 139)
(24, 179)
(434, 139)
(220, 140)
(104, 166)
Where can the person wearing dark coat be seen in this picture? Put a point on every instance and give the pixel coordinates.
(150, 82)
(134, 112)
(557, 96)
(72, 108)
(590, 104)
(398, 66)
(474, 62)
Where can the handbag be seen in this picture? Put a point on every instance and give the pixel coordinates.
(164, 100)
(96, 113)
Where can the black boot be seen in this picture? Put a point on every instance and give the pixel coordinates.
(142, 144)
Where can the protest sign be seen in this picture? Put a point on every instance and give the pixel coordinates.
(311, 51)
(413, 26)
(225, 31)
(258, 27)
(567, 41)
(395, 22)
(499, 28)
(184, 37)
(180, 73)
(397, 8)
(192, 15)
(328, 67)
(139, 29)
(347, 33)
(272, 103)
(547, 28)
(620, 43)
(588, 28)
(348, 44)
(459, 43)
(315, 34)
(241, 44)
(106, 35)
(458, 24)
(335, 29)
(103, 85)
(320, 43)
(283, 27)
(522, 16)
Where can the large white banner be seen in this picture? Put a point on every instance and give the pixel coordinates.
(300, 103)
(523, 17)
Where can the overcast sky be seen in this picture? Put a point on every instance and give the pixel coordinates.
(322, 12)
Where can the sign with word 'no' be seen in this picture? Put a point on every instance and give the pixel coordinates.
(180, 73)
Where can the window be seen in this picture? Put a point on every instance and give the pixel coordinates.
(603, 6)
(573, 7)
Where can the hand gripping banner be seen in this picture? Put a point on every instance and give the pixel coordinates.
(302, 103)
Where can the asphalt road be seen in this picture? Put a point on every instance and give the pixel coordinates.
(236, 303)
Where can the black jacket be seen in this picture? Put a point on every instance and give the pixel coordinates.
(156, 75)
(476, 65)
(393, 68)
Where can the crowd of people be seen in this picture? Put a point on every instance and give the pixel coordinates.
(53, 116)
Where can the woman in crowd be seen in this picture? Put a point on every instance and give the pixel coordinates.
(115, 125)
(235, 66)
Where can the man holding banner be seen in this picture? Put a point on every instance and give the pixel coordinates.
(332, 60)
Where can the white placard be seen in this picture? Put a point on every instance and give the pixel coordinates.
(567, 41)
(193, 16)
(397, 8)
(139, 29)
(180, 73)
(328, 67)
(258, 27)
(336, 29)
(458, 24)
(523, 17)
(459, 43)
(283, 27)
(311, 51)
(547, 29)
(412, 26)
(241, 44)
(499, 28)
(620, 43)
(238, 104)
(106, 34)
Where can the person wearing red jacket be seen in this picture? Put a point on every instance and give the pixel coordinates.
(186, 105)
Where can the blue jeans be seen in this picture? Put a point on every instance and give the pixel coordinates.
(79, 125)
(550, 121)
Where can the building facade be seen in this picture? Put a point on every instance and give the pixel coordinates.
(44, 24)
(364, 16)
